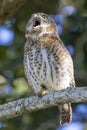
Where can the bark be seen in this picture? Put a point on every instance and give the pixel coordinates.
(34, 103)
(8, 8)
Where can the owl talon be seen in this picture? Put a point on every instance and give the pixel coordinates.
(42, 93)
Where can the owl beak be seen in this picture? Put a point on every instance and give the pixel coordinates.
(36, 21)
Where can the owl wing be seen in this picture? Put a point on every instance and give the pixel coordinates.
(26, 68)
(26, 61)
(67, 61)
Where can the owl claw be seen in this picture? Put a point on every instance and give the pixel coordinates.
(42, 93)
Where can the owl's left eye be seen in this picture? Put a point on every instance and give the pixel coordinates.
(45, 17)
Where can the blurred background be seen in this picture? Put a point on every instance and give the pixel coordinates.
(71, 20)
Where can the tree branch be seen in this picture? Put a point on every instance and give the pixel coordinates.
(8, 8)
(34, 103)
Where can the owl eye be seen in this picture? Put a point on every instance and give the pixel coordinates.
(45, 17)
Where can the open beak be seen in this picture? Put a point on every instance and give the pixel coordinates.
(36, 21)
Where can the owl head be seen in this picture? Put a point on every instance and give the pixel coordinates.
(40, 24)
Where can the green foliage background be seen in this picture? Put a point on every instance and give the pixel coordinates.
(11, 60)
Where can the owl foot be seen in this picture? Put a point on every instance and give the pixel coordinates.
(42, 93)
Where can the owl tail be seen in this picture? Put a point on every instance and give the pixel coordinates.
(65, 113)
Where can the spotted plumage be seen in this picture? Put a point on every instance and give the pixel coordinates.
(47, 63)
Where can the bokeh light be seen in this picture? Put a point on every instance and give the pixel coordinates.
(60, 19)
(81, 110)
(1, 125)
(6, 36)
(71, 50)
(6, 90)
(60, 29)
(73, 126)
(74, 29)
(69, 10)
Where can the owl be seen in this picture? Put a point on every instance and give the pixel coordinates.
(47, 63)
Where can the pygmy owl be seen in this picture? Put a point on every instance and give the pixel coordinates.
(47, 63)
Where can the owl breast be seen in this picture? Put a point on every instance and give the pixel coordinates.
(42, 69)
